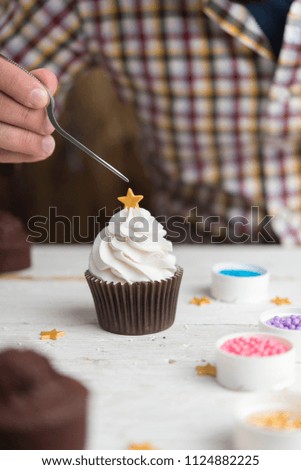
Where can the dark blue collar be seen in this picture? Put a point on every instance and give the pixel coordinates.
(271, 17)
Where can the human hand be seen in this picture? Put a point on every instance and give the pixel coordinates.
(25, 130)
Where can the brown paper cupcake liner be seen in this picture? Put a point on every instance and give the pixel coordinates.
(139, 308)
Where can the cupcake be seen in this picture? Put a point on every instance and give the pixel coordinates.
(39, 408)
(14, 249)
(133, 275)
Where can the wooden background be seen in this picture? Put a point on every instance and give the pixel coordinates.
(71, 181)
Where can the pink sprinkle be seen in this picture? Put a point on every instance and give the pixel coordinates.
(254, 346)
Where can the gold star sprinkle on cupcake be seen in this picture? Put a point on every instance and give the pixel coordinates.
(130, 200)
(143, 446)
(207, 369)
(281, 301)
(53, 334)
(200, 301)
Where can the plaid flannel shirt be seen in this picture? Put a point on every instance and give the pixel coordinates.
(220, 115)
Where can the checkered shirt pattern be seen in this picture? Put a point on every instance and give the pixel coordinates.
(220, 115)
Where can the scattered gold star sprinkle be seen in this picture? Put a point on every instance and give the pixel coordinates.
(200, 301)
(53, 334)
(207, 369)
(143, 446)
(130, 200)
(276, 420)
(281, 301)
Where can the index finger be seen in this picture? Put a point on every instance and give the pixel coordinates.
(21, 87)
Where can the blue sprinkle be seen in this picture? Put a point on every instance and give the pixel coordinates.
(239, 273)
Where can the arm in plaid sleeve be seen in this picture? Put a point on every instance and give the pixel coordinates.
(43, 33)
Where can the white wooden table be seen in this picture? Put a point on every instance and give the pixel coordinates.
(142, 388)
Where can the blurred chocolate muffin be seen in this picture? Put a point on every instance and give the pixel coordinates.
(39, 408)
(14, 249)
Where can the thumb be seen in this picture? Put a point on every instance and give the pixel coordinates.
(47, 78)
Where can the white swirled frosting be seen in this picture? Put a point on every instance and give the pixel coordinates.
(132, 248)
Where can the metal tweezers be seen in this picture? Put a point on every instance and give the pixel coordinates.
(60, 130)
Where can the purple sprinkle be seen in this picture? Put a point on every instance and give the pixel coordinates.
(288, 322)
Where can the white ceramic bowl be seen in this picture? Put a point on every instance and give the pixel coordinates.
(243, 373)
(250, 436)
(292, 335)
(227, 288)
